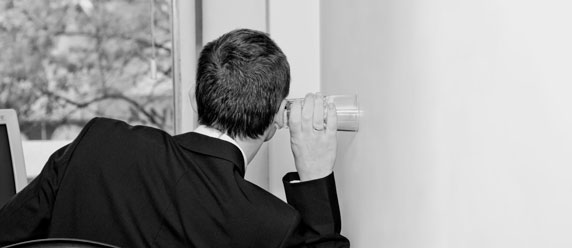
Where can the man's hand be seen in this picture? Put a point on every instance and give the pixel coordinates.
(313, 142)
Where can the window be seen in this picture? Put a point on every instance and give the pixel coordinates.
(66, 61)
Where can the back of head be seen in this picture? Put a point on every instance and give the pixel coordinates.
(242, 78)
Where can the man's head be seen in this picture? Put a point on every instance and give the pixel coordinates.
(242, 78)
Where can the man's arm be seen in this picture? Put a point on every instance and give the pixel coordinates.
(27, 215)
(317, 204)
(312, 190)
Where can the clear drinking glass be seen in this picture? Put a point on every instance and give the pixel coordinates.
(347, 111)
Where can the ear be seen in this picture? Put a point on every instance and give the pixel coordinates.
(193, 99)
(280, 117)
(279, 122)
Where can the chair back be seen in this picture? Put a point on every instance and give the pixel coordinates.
(60, 243)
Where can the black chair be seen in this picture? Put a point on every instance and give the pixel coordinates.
(60, 243)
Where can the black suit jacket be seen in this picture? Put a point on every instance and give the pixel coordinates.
(136, 186)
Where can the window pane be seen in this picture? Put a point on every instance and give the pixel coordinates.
(66, 61)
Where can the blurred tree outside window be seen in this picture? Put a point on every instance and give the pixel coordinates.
(64, 62)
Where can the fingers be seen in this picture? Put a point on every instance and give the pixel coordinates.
(318, 117)
(294, 120)
(331, 120)
(308, 113)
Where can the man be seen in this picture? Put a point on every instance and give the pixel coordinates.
(140, 187)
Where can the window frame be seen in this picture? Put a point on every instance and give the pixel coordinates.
(186, 29)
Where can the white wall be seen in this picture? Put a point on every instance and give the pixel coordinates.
(465, 139)
(221, 16)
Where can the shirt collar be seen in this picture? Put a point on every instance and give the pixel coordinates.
(214, 133)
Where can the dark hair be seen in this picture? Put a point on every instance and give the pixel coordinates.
(242, 78)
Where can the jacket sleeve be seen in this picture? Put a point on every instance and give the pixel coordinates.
(317, 203)
(28, 214)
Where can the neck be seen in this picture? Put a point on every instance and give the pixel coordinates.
(249, 146)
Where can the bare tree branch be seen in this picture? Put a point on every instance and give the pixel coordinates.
(117, 96)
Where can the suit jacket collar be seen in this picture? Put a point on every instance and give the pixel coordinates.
(214, 133)
(213, 147)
